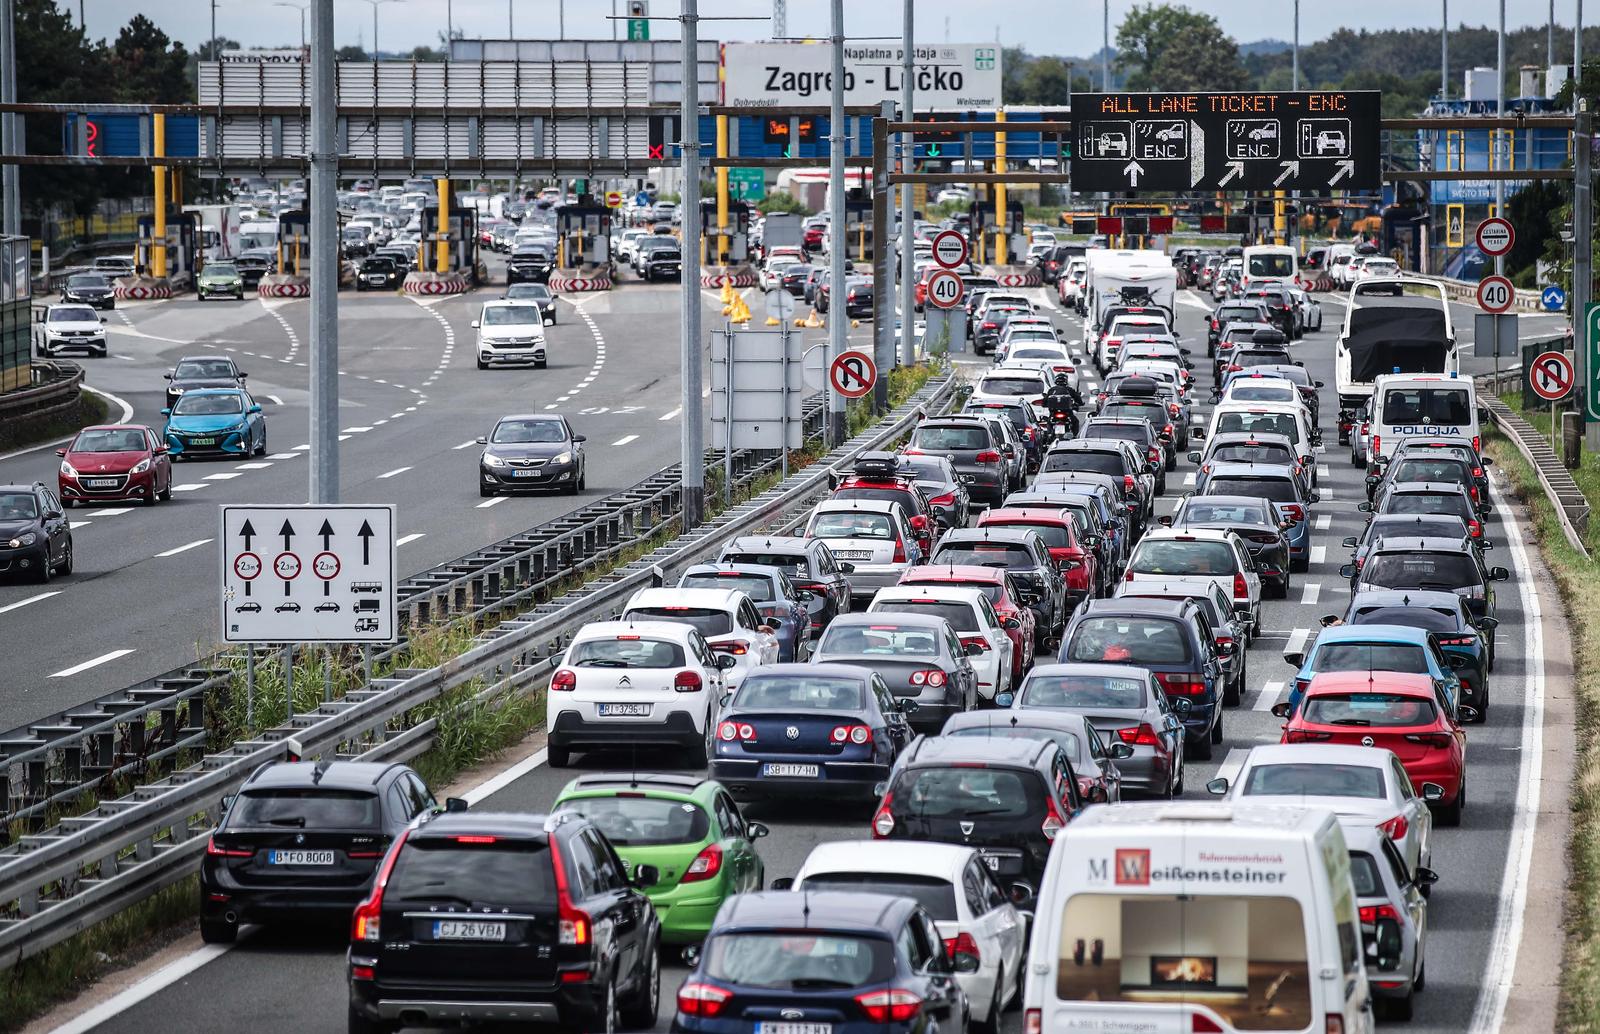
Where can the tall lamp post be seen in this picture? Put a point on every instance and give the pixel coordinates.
(296, 7)
(375, 4)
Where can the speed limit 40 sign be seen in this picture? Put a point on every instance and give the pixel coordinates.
(946, 289)
(1495, 294)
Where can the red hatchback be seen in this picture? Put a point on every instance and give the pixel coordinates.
(1076, 563)
(995, 584)
(114, 462)
(1400, 712)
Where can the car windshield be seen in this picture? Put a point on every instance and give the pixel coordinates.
(757, 587)
(946, 439)
(637, 821)
(882, 640)
(852, 524)
(626, 652)
(1125, 432)
(793, 563)
(1368, 709)
(936, 895)
(1271, 265)
(1084, 691)
(803, 692)
(221, 269)
(1262, 452)
(709, 622)
(985, 554)
(87, 280)
(527, 432)
(1404, 657)
(528, 292)
(203, 370)
(886, 495)
(73, 314)
(122, 439)
(18, 506)
(809, 960)
(1177, 557)
(1430, 406)
(482, 874)
(305, 809)
(512, 315)
(1279, 489)
(1197, 510)
(961, 616)
(964, 791)
(1324, 780)
(207, 405)
(1415, 570)
(1083, 460)
(1129, 640)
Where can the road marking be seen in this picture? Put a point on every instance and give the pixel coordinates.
(1188, 479)
(1324, 471)
(194, 487)
(284, 456)
(414, 536)
(75, 525)
(86, 665)
(251, 466)
(496, 501)
(1232, 764)
(1297, 640)
(356, 430)
(302, 448)
(626, 439)
(346, 437)
(1324, 522)
(673, 415)
(183, 548)
(1324, 494)
(464, 445)
(275, 400)
(227, 476)
(1310, 592)
(31, 599)
(396, 471)
(111, 513)
(1319, 554)
(1268, 697)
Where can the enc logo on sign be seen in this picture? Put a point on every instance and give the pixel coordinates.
(983, 57)
(1133, 866)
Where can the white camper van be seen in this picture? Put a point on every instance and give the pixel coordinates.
(1149, 275)
(1393, 325)
(1172, 916)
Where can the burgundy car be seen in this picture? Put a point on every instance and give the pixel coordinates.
(114, 462)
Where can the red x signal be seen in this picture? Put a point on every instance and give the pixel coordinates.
(658, 151)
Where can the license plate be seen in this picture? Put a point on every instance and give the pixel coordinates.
(992, 862)
(802, 771)
(468, 930)
(299, 857)
(853, 554)
(527, 473)
(1002, 863)
(623, 710)
(794, 1028)
(101, 483)
(202, 441)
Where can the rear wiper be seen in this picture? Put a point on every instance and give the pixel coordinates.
(987, 811)
(818, 983)
(1350, 721)
(603, 664)
(292, 820)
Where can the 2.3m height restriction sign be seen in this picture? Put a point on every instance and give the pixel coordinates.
(946, 289)
(853, 374)
(1551, 376)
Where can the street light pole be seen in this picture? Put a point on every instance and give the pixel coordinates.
(324, 359)
(692, 433)
(838, 319)
(1105, 49)
(1297, 43)
(1444, 50)
(375, 4)
(297, 7)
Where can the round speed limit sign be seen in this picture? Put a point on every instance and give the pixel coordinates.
(1495, 294)
(946, 289)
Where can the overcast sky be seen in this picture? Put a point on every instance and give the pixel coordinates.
(1042, 26)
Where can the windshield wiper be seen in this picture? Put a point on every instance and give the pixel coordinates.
(1350, 721)
(818, 983)
(602, 663)
(292, 820)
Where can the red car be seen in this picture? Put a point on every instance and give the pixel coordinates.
(1076, 563)
(993, 581)
(114, 462)
(1401, 712)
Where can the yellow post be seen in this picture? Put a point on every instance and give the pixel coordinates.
(861, 242)
(158, 237)
(299, 246)
(722, 192)
(1000, 195)
(441, 254)
(1280, 217)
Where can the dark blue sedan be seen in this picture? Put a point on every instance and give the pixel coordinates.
(780, 602)
(808, 730)
(834, 961)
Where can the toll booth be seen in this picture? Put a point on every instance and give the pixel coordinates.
(584, 235)
(738, 233)
(183, 241)
(977, 231)
(294, 243)
(463, 242)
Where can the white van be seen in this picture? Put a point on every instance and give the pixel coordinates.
(1412, 405)
(1269, 263)
(1170, 916)
(510, 332)
(1393, 325)
(1147, 273)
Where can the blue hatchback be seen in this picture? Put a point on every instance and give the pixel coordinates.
(1374, 647)
(834, 961)
(215, 422)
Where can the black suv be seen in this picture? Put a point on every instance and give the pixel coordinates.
(529, 263)
(379, 273)
(303, 838)
(89, 289)
(501, 917)
(1007, 797)
(35, 538)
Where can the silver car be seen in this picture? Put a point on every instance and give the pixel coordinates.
(1393, 906)
(873, 535)
(1094, 761)
(1125, 705)
(918, 656)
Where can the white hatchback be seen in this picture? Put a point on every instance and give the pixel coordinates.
(726, 617)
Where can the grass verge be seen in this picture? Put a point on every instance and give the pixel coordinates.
(24, 431)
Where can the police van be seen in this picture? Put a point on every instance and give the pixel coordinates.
(1421, 405)
(1174, 916)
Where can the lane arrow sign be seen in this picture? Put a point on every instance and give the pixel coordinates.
(1346, 169)
(1133, 170)
(326, 531)
(287, 531)
(1289, 169)
(1197, 153)
(1235, 170)
(933, 150)
(366, 534)
(247, 532)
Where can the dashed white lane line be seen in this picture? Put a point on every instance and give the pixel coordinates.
(1324, 471)
(111, 513)
(1311, 592)
(1319, 554)
(193, 487)
(294, 338)
(93, 662)
(1269, 696)
(357, 430)
(1324, 522)
(252, 466)
(1232, 764)
(496, 501)
(625, 439)
(1297, 640)
(228, 476)
(414, 536)
(1324, 494)
(75, 525)
(464, 445)
(184, 548)
(284, 456)
(392, 473)
(1188, 479)
(449, 343)
(31, 599)
(302, 448)
(672, 415)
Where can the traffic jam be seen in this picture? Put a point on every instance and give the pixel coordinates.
(1134, 694)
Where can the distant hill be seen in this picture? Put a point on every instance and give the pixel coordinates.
(1265, 46)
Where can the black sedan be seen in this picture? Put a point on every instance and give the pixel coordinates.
(202, 371)
(253, 265)
(918, 657)
(89, 289)
(530, 263)
(531, 451)
(379, 273)
(540, 293)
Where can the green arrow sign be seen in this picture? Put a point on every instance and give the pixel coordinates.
(1589, 342)
(933, 150)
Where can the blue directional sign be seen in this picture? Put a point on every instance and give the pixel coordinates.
(1554, 298)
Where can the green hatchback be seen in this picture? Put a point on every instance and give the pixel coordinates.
(689, 828)
(219, 279)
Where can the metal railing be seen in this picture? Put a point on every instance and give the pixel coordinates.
(55, 389)
(1571, 506)
(60, 881)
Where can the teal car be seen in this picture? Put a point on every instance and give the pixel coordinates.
(685, 825)
(1377, 647)
(219, 279)
(215, 422)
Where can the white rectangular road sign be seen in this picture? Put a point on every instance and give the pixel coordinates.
(308, 574)
(948, 75)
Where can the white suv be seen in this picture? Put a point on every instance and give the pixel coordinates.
(510, 332)
(72, 328)
(635, 683)
(1208, 554)
(726, 617)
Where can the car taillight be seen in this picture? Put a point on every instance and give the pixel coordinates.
(899, 552)
(1241, 589)
(852, 733)
(687, 682)
(572, 924)
(928, 677)
(948, 499)
(1476, 443)
(1113, 342)
(1377, 444)
(1335, 1025)
(1234, 367)
(1395, 828)
(883, 820)
(564, 680)
(1366, 427)
(890, 1005)
(705, 866)
(1032, 1022)
(1372, 913)
(1295, 510)
(976, 640)
(988, 456)
(731, 731)
(1183, 683)
(1474, 529)
(1436, 740)
(1172, 410)
(1141, 735)
(812, 587)
(1203, 1024)
(963, 944)
(1127, 482)
(216, 850)
(702, 1000)
(364, 922)
(990, 326)
(1153, 454)
(738, 647)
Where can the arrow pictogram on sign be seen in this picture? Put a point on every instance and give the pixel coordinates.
(852, 374)
(1551, 376)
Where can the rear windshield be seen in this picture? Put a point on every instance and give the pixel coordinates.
(1415, 617)
(851, 524)
(1430, 470)
(626, 653)
(1084, 691)
(1284, 392)
(924, 470)
(1315, 781)
(990, 589)
(985, 554)
(1432, 406)
(305, 809)
(1149, 413)
(961, 616)
(1010, 386)
(1091, 462)
(1371, 657)
(1364, 875)
(1129, 640)
(1176, 557)
(1263, 453)
(1198, 509)
(936, 895)
(1368, 709)
(1421, 571)
(1054, 535)
(789, 692)
(1428, 502)
(1015, 414)
(754, 586)
(1063, 738)
(505, 871)
(966, 792)
(1271, 265)
(946, 439)
(709, 622)
(1279, 490)
(886, 640)
(799, 960)
(794, 563)
(1125, 432)
(1260, 423)
(638, 821)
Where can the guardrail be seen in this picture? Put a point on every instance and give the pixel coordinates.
(55, 389)
(1526, 299)
(55, 883)
(1566, 498)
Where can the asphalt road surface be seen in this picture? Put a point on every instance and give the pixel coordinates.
(294, 979)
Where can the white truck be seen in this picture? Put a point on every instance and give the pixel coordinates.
(1392, 325)
(219, 230)
(1112, 275)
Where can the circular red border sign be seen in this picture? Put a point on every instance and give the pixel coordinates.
(846, 370)
(944, 237)
(1496, 281)
(941, 275)
(240, 560)
(317, 570)
(1498, 229)
(279, 574)
(1547, 364)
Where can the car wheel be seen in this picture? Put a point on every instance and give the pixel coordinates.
(1397, 1008)
(166, 493)
(990, 1024)
(641, 1013)
(359, 1024)
(1450, 814)
(1199, 749)
(583, 478)
(1216, 731)
(46, 569)
(220, 931)
(1176, 789)
(1235, 690)
(1300, 566)
(559, 757)
(66, 559)
(485, 491)
(700, 753)
(482, 365)
(1421, 981)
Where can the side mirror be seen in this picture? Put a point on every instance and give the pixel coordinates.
(1499, 574)
(61, 452)
(162, 450)
(227, 802)
(166, 411)
(974, 649)
(1456, 661)
(1181, 706)
(474, 324)
(1347, 570)
(908, 706)
(1280, 710)
(1424, 876)
(1349, 542)
(1225, 649)
(782, 883)
(1294, 659)
(1487, 462)
(757, 830)
(727, 661)
(1097, 794)
(1316, 495)
(1317, 384)
(1388, 944)
(166, 376)
(1120, 751)
(847, 568)
(1194, 456)
(1217, 787)
(1329, 620)
(645, 876)
(483, 439)
(1466, 713)
(1165, 520)
(1004, 699)
(879, 789)
(804, 595)
(1012, 624)
(1372, 480)
(580, 438)
(1433, 793)
(255, 409)
(1364, 507)
(1488, 624)
(1198, 433)
(1021, 893)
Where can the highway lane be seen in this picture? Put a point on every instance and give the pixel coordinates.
(411, 404)
(274, 978)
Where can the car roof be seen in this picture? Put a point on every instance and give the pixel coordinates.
(1317, 754)
(809, 669)
(1432, 599)
(673, 630)
(213, 391)
(890, 856)
(1371, 681)
(1247, 468)
(710, 567)
(928, 621)
(1426, 488)
(673, 597)
(926, 573)
(334, 775)
(769, 544)
(1183, 534)
(855, 912)
(1029, 514)
(1422, 544)
(548, 418)
(924, 590)
(1008, 536)
(1028, 717)
(945, 750)
(1136, 606)
(518, 824)
(684, 784)
(1369, 633)
(851, 505)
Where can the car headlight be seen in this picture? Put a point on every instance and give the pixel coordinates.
(491, 460)
(27, 538)
(565, 457)
(140, 467)
(173, 389)
(98, 331)
(66, 468)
